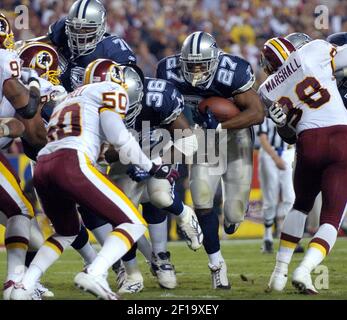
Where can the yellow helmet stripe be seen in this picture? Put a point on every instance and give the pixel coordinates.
(88, 72)
(279, 48)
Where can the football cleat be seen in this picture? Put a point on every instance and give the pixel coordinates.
(219, 276)
(7, 290)
(191, 229)
(133, 283)
(96, 285)
(163, 269)
(42, 292)
(19, 292)
(302, 281)
(121, 274)
(278, 279)
(299, 249)
(267, 247)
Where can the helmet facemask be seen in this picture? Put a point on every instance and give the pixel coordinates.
(133, 111)
(266, 65)
(198, 71)
(84, 37)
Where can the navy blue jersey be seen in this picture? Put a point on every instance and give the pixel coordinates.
(110, 47)
(233, 75)
(340, 39)
(162, 103)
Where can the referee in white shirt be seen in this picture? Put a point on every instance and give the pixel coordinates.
(275, 174)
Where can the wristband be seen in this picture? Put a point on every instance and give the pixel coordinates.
(5, 129)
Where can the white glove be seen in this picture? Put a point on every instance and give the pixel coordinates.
(277, 115)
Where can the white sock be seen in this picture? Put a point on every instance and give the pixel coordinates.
(145, 248)
(88, 253)
(158, 234)
(16, 241)
(319, 247)
(44, 258)
(113, 249)
(268, 234)
(215, 258)
(102, 232)
(182, 214)
(117, 244)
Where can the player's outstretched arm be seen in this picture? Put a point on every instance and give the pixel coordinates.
(26, 102)
(10, 127)
(252, 111)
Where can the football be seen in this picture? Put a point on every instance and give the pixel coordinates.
(223, 109)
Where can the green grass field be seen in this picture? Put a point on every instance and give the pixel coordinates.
(249, 271)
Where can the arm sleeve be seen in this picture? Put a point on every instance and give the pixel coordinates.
(56, 33)
(123, 141)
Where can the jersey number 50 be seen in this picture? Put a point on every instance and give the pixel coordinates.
(67, 123)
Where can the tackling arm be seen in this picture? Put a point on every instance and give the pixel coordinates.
(252, 111)
(10, 127)
(26, 102)
(123, 141)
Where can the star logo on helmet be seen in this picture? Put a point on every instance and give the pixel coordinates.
(214, 45)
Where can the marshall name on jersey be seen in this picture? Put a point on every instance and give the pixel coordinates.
(162, 103)
(305, 86)
(110, 47)
(75, 123)
(233, 75)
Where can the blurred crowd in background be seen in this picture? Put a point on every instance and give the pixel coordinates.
(157, 28)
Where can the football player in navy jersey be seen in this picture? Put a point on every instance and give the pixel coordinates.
(203, 70)
(162, 106)
(81, 38)
(340, 39)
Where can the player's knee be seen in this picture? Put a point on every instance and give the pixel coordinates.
(36, 237)
(64, 241)
(152, 214)
(135, 230)
(161, 199)
(201, 194)
(234, 211)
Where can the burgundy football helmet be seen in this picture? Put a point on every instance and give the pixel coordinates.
(275, 52)
(6, 34)
(43, 58)
(126, 76)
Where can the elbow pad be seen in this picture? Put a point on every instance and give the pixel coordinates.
(29, 111)
(188, 146)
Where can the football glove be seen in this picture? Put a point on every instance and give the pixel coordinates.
(165, 172)
(137, 174)
(277, 115)
(209, 120)
(159, 171)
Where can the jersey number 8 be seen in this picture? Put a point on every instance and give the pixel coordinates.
(310, 92)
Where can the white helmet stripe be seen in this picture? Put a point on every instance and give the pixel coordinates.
(283, 46)
(81, 9)
(274, 49)
(195, 43)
